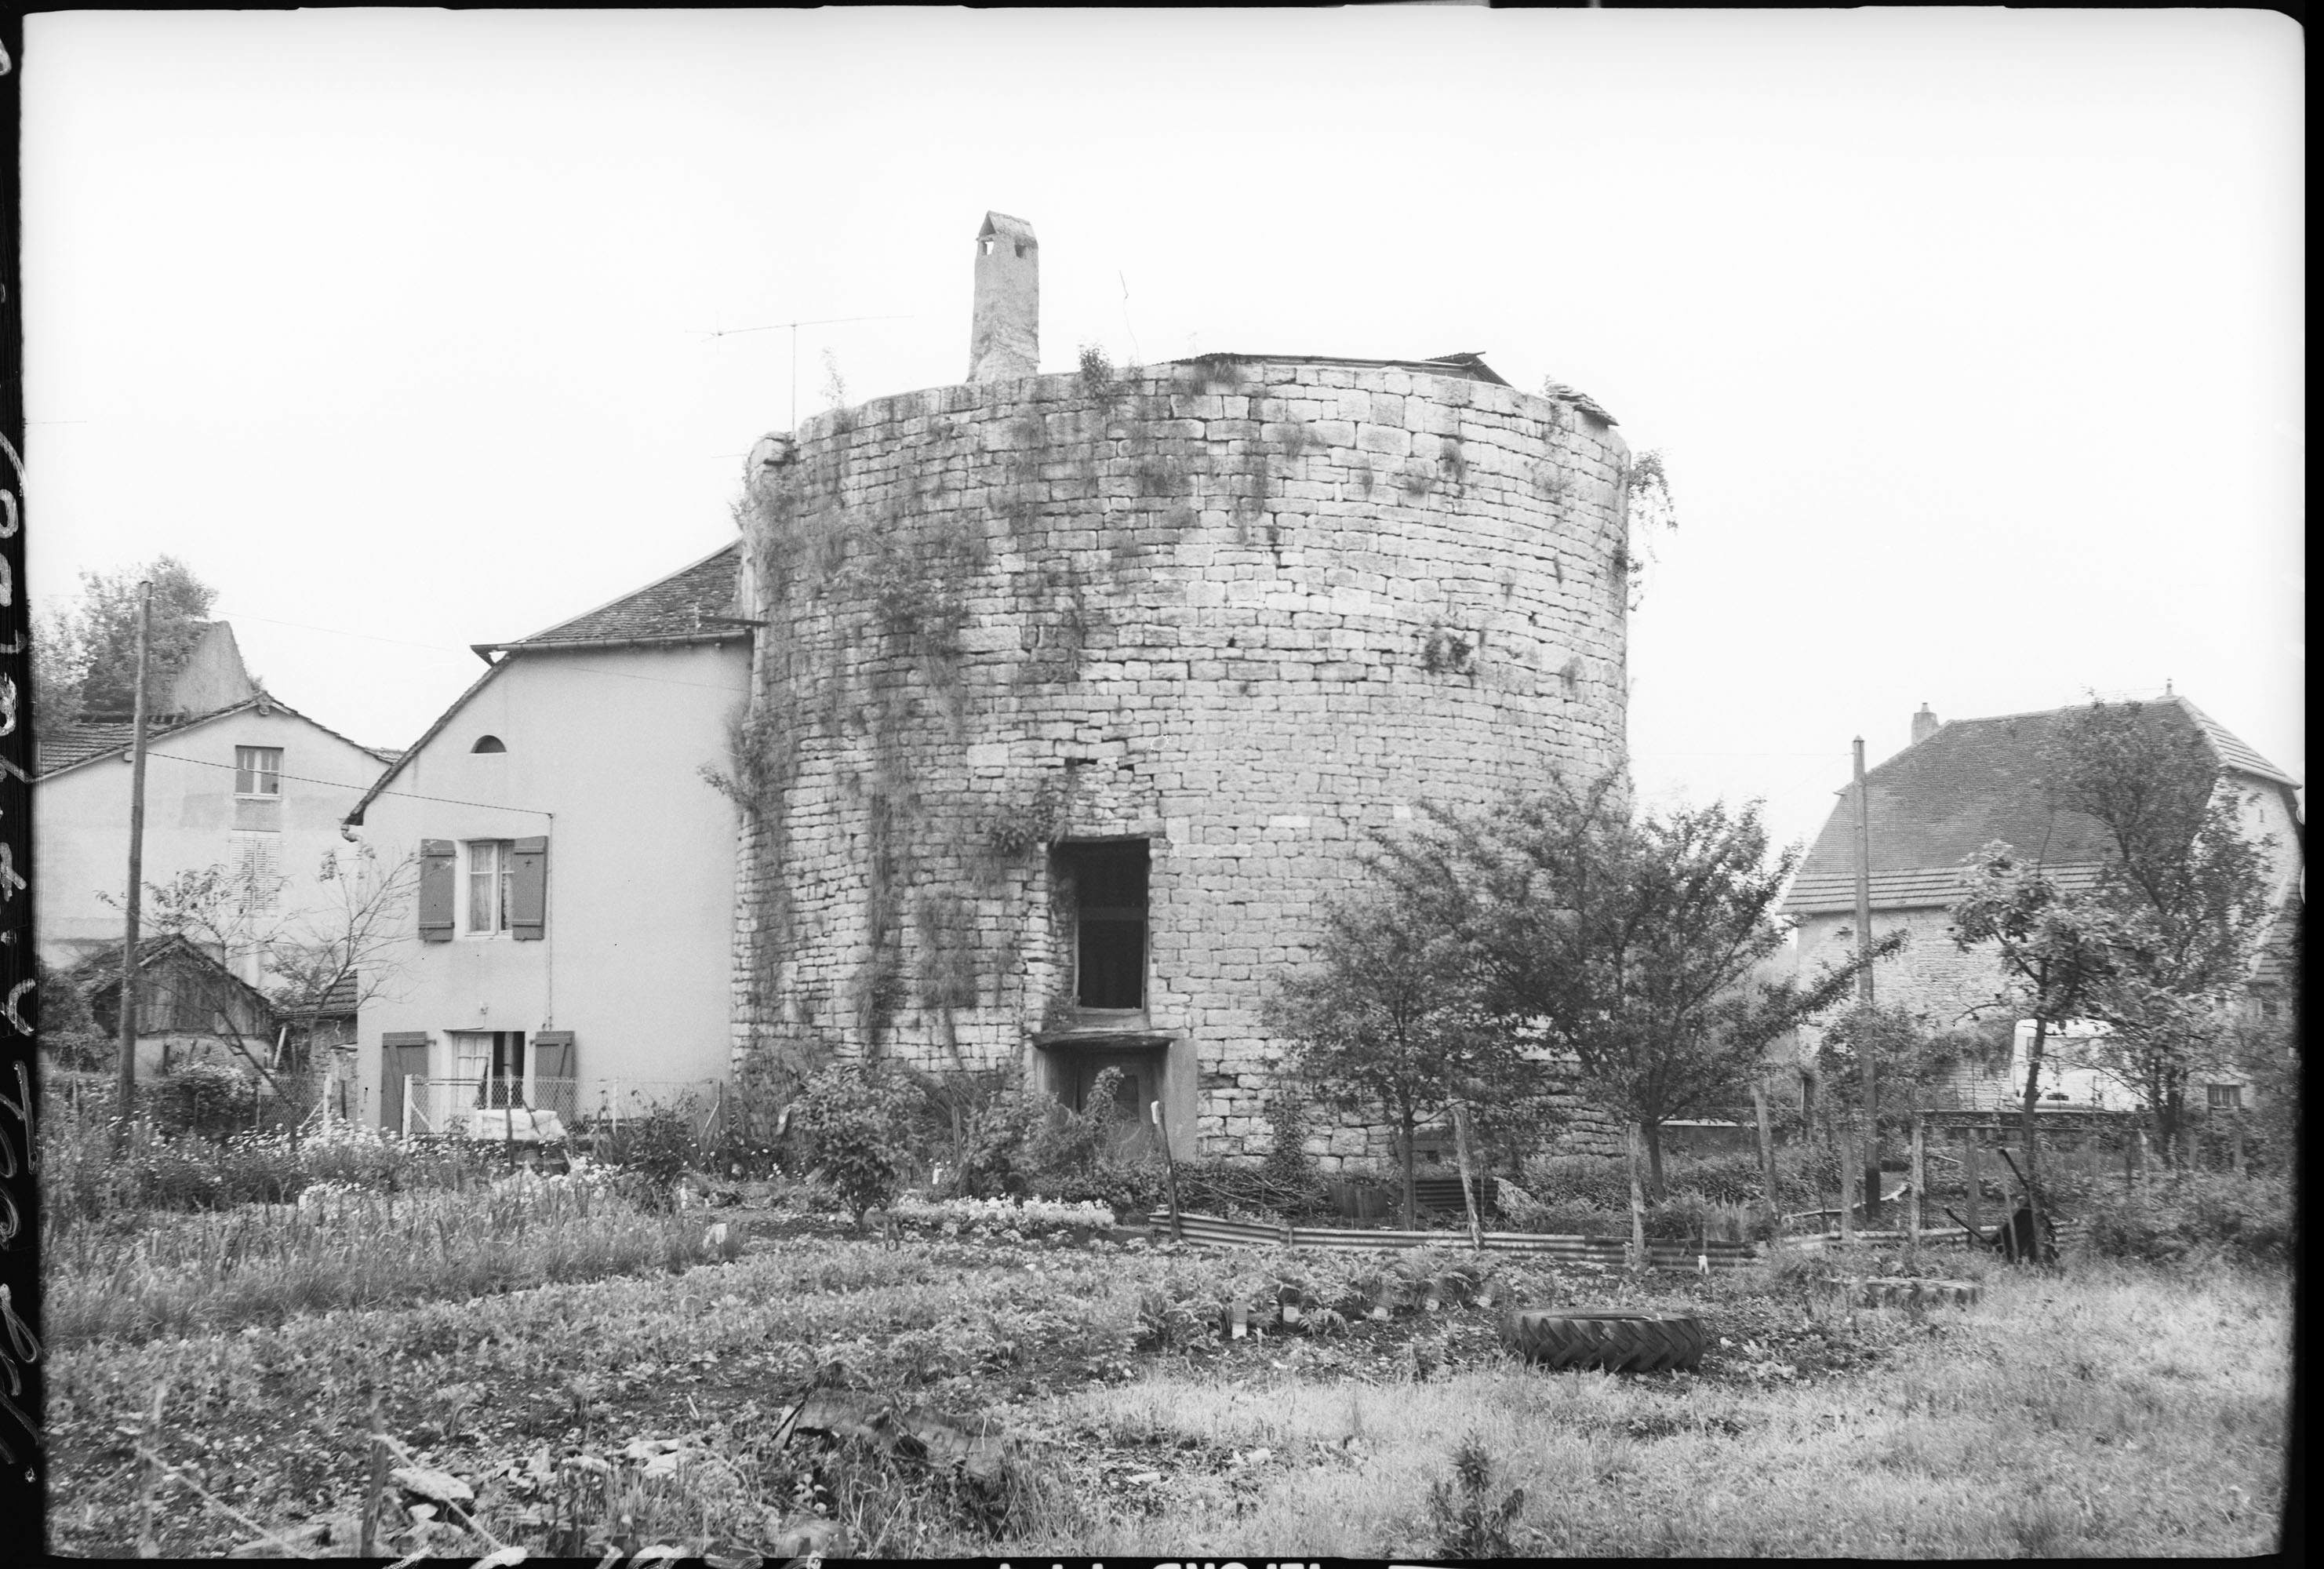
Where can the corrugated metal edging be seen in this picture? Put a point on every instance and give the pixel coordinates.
(1931, 1236)
(1213, 1231)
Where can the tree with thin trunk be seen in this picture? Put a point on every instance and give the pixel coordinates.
(1638, 948)
(1388, 1024)
(2188, 886)
(330, 953)
(2057, 949)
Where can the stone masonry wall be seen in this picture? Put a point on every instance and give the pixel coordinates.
(1247, 610)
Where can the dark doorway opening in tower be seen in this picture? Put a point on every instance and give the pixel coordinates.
(1109, 883)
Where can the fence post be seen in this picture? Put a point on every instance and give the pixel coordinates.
(1468, 1193)
(1768, 1162)
(1975, 1178)
(150, 1452)
(1912, 1205)
(374, 1486)
(1849, 1176)
(1169, 1172)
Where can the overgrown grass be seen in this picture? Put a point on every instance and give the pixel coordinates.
(2117, 1411)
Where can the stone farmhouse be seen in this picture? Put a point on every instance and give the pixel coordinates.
(1961, 784)
(236, 778)
(570, 948)
(1077, 692)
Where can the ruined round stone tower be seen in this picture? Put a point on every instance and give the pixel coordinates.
(1076, 693)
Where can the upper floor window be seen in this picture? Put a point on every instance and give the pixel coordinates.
(491, 868)
(483, 888)
(258, 771)
(1110, 893)
(2226, 1097)
(489, 743)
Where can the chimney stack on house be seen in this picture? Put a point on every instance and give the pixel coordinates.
(1005, 337)
(1924, 724)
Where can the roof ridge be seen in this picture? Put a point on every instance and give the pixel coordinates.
(630, 593)
(178, 724)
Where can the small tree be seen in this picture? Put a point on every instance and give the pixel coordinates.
(330, 952)
(2187, 888)
(1641, 947)
(1388, 1022)
(853, 1118)
(2057, 950)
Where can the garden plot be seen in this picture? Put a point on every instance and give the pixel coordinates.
(2115, 1411)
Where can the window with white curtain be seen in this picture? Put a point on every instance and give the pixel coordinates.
(490, 866)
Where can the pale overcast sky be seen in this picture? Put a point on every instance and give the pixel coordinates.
(1973, 339)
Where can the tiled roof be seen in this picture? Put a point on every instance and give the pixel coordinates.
(1834, 892)
(84, 740)
(689, 603)
(1973, 781)
(2229, 749)
(67, 745)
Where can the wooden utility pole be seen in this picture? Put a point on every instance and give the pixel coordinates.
(126, 1081)
(1864, 991)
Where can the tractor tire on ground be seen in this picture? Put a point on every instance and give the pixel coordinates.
(1621, 1342)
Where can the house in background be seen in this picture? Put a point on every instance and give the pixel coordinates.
(1961, 786)
(234, 778)
(572, 946)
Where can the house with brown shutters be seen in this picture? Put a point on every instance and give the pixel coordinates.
(569, 950)
(1964, 784)
(236, 779)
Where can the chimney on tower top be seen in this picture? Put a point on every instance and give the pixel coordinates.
(1924, 724)
(1004, 338)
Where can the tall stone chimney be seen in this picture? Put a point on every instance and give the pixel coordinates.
(1004, 339)
(1924, 724)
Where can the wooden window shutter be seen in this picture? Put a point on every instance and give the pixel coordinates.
(552, 1054)
(436, 890)
(529, 891)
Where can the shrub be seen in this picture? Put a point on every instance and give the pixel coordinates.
(1230, 1188)
(1469, 1522)
(653, 1149)
(2195, 1218)
(999, 1139)
(1287, 1163)
(207, 1098)
(1019, 1143)
(852, 1118)
(1129, 1185)
(1595, 1181)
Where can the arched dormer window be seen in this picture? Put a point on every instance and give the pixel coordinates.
(489, 743)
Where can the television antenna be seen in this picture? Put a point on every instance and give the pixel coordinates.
(792, 327)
